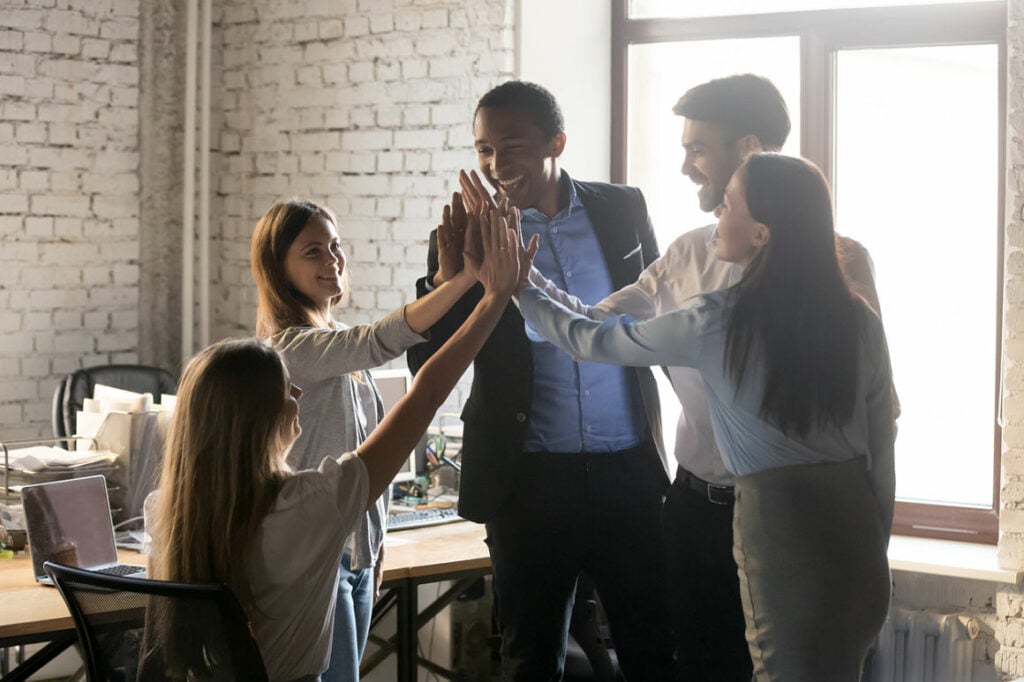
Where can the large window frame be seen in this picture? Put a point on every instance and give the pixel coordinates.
(822, 34)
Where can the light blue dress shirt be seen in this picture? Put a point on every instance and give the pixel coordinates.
(695, 337)
(577, 406)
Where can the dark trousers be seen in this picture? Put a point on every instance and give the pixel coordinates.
(573, 513)
(704, 588)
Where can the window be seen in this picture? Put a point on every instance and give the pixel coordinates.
(902, 107)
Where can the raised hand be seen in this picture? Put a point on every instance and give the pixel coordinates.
(450, 239)
(498, 269)
(524, 254)
(476, 194)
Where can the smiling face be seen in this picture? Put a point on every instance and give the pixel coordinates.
(710, 160)
(315, 262)
(738, 238)
(516, 159)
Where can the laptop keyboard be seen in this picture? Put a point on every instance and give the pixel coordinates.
(422, 517)
(121, 570)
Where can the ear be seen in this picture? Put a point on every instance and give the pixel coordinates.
(557, 144)
(748, 145)
(762, 235)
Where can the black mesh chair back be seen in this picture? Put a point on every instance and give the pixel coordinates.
(134, 629)
(73, 389)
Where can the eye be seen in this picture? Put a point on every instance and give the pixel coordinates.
(483, 151)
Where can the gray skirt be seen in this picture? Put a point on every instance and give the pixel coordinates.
(814, 575)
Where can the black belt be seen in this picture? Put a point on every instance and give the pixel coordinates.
(716, 494)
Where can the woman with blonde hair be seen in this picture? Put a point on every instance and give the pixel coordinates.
(801, 397)
(299, 267)
(231, 510)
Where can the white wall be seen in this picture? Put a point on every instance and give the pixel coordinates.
(565, 45)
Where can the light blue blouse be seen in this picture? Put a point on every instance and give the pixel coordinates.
(695, 337)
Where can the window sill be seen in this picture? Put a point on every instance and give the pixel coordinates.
(949, 558)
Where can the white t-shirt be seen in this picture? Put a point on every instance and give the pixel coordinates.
(295, 560)
(295, 565)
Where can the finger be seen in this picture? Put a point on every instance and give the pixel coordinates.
(446, 217)
(472, 190)
(499, 229)
(467, 187)
(483, 193)
(458, 210)
(517, 227)
(532, 247)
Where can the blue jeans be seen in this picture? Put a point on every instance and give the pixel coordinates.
(351, 622)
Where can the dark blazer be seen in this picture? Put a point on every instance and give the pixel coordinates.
(497, 411)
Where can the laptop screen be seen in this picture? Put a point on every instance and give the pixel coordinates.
(69, 523)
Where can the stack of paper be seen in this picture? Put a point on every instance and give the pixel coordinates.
(40, 464)
(107, 399)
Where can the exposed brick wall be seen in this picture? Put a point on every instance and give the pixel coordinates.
(367, 109)
(363, 105)
(69, 194)
(1010, 600)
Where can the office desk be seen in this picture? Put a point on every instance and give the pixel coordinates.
(450, 552)
(31, 613)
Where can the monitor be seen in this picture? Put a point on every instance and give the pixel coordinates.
(393, 384)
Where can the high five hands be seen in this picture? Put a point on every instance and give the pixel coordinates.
(478, 199)
(490, 252)
(470, 216)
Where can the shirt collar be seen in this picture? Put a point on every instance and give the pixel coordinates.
(575, 203)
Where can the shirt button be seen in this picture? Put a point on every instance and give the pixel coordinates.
(589, 429)
(587, 392)
(520, 417)
(569, 274)
(554, 230)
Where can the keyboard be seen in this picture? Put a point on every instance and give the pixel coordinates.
(422, 517)
(121, 570)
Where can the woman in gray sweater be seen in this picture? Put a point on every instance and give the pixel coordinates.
(299, 267)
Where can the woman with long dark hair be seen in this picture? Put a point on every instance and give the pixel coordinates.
(800, 389)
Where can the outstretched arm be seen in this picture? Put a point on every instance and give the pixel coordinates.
(671, 339)
(389, 445)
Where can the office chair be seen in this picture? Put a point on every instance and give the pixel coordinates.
(73, 389)
(119, 620)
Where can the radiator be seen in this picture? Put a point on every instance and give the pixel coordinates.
(923, 646)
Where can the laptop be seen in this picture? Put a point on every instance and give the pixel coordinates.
(69, 523)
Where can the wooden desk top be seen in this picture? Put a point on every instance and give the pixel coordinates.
(27, 608)
(435, 550)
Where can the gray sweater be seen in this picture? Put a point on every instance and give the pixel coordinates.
(340, 404)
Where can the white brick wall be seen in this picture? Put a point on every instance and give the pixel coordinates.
(367, 109)
(69, 227)
(1010, 600)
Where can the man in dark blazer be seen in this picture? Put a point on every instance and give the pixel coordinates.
(562, 460)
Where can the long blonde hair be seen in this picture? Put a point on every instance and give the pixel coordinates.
(281, 305)
(222, 465)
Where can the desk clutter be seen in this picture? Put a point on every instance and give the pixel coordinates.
(119, 434)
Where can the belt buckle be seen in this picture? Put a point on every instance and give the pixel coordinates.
(712, 500)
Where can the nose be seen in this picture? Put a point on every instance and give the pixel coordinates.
(687, 165)
(496, 164)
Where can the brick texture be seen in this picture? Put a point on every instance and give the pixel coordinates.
(364, 106)
(68, 107)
